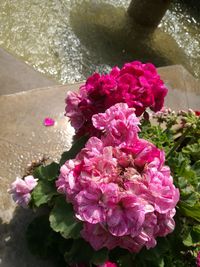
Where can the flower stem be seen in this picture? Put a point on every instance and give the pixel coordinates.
(178, 143)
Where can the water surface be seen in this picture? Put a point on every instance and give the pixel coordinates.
(70, 39)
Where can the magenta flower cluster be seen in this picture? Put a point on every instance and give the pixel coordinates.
(118, 184)
(136, 84)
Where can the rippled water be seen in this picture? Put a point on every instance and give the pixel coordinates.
(70, 39)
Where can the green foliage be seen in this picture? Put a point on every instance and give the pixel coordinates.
(82, 252)
(45, 189)
(43, 193)
(182, 146)
(43, 242)
(49, 172)
(193, 151)
(76, 147)
(192, 236)
(190, 211)
(154, 133)
(62, 219)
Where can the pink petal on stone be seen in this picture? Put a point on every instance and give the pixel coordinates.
(48, 122)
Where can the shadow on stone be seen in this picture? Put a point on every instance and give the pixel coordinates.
(13, 247)
(111, 38)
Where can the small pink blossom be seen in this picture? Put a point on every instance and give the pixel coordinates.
(21, 190)
(48, 122)
(198, 259)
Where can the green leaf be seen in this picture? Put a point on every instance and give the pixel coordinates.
(49, 172)
(80, 252)
(43, 192)
(192, 237)
(76, 147)
(100, 256)
(190, 211)
(193, 151)
(43, 242)
(126, 260)
(196, 168)
(62, 219)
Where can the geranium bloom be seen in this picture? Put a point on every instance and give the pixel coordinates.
(21, 189)
(136, 84)
(119, 187)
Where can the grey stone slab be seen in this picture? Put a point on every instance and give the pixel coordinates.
(16, 76)
(184, 89)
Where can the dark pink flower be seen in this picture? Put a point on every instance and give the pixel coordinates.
(136, 84)
(197, 113)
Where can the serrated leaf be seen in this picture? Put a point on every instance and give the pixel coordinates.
(62, 219)
(193, 151)
(196, 168)
(76, 147)
(43, 192)
(49, 172)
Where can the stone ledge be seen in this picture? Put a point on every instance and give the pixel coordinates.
(17, 76)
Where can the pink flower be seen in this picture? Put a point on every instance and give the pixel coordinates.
(92, 204)
(198, 259)
(126, 213)
(136, 84)
(98, 236)
(119, 186)
(119, 124)
(49, 122)
(21, 188)
(122, 200)
(108, 264)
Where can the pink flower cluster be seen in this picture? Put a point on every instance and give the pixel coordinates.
(119, 186)
(21, 189)
(136, 84)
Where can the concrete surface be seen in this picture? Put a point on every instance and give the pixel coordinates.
(23, 138)
(16, 76)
